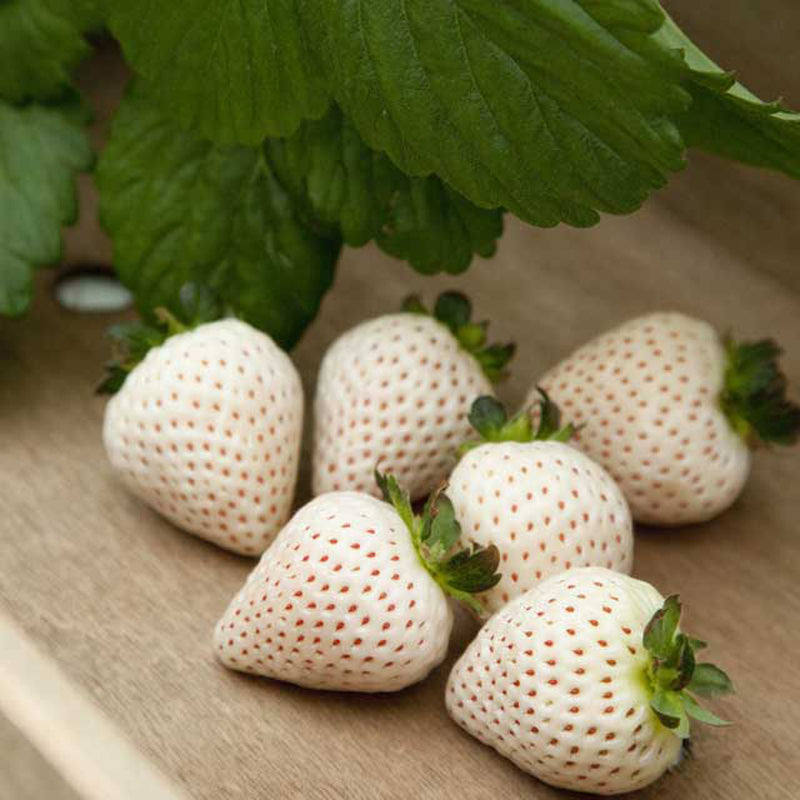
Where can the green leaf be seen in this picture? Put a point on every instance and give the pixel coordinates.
(754, 396)
(199, 303)
(701, 714)
(399, 498)
(86, 15)
(727, 119)
(342, 183)
(233, 71)
(550, 429)
(40, 44)
(444, 530)
(180, 209)
(685, 662)
(436, 229)
(434, 535)
(488, 416)
(709, 680)
(473, 571)
(454, 310)
(659, 634)
(41, 151)
(669, 707)
(553, 110)
(132, 341)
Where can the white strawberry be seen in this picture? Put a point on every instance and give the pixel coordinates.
(585, 682)
(545, 505)
(669, 409)
(395, 392)
(351, 596)
(206, 429)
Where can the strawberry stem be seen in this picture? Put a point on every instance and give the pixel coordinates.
(461, 572)
(133, 340)
(454, 310)
(673, 675)
(489, 418)
(754, 395)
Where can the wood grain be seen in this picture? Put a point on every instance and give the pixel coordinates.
(124, 604)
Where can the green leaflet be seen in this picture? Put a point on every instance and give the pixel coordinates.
(87, 15)
(235, 71)
(41, 150)
(554, 110)
(673, 675)
(461, 572)
(40, 43)
(436, 229)
(343, 183)
(727, 119)
(181, 209)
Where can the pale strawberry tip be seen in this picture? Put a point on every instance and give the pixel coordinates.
(674, 676)
(490, 419)
(461, 572)
(131, 341)
(754, 395)
(454, 310)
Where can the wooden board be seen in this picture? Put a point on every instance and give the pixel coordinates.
(121, 605)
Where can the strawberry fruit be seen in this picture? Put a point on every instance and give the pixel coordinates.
(671, 410)
(205, 427)
(585, 682)
(395, 392)
(352, 595)
(545, 505)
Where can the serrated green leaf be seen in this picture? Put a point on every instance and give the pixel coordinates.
(180, 209)
(335, 177)
(343, 183)
(233, 71)
(709, 680)
(436, 229)
(727, 119)
(39, 47)
(553, 110)
(41, 151)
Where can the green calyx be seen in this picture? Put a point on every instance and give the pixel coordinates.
(461, 572)
(754, 396)
(132, 340)
(674, 677)
(489, 418)
(454, 310)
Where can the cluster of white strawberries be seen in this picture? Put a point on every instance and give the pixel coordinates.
(580, 674)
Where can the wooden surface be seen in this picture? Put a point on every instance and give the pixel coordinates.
(27, 775)
(121, 605)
